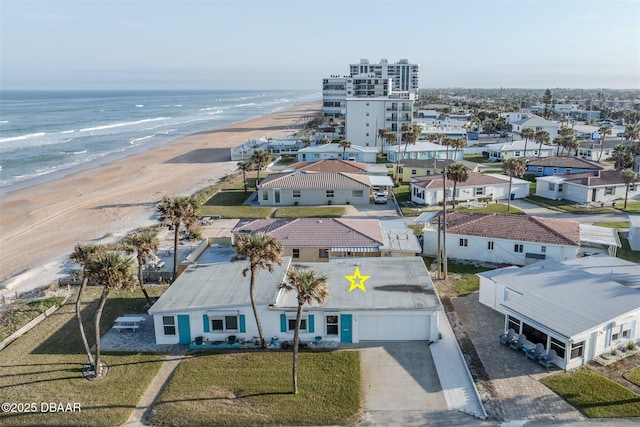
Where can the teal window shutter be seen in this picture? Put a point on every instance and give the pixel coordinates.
(243, 327)
(283, 322)
(310, 323)
(205, 322)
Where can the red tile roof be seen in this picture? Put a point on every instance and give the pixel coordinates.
(318, 232)
(515, 227)
(332, 165)
(475, 178)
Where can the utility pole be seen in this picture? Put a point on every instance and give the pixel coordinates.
(444, 220)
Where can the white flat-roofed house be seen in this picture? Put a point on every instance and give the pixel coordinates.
(356, 153)
(504, 239)
(370, 299)
(519, 122)
(582, 308)
(515, 150)
(634, 232)
(602, 186)
(422, 150)
(428, 190)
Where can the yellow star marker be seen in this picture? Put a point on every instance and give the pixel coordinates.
(360, 283)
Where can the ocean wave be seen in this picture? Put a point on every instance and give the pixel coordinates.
(4, 122)
(134, 140)
(139, 105)
(68, 131)
(22, 137)
(178, 105)
(116, 125)
(245, 105)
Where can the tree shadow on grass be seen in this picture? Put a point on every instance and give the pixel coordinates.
(66, 339)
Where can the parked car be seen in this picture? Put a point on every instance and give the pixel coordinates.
(380, 199)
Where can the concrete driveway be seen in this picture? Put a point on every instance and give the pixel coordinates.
(388, 211)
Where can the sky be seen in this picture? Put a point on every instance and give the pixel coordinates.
(293, 44)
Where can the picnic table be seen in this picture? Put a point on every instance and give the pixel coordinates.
(128, 322)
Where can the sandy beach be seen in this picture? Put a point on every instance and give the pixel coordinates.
(41, 224)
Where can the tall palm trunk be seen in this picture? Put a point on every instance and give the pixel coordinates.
(509, 195)
(296, 342)
(252, 289)
(103, 300)
(144, 291)
(453, 207)
(176, 234)
(87, 349)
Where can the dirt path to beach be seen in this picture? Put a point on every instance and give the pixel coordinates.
(40, 225)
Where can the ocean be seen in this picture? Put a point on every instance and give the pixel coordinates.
(45, 135)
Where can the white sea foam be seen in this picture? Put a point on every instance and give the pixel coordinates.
(4, 122)
(139, 105)
(22, 137)
(245, 105)
(178, 105)
(134, 140)
(117, 125)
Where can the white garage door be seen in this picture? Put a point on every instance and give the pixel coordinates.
(393, 327)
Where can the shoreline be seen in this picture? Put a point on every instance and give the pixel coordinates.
(42, 222)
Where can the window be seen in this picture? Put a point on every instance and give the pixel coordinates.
(514, 324)
(577, 349)
(323, 253)
(633, 186)
(357, 193)
(543, 249)
(615, 337)
(559, 188)
(316, 155)
(518, 248)
(265, 195)
(552, 186)
(540, 169)
(626, 333)
(329, 193)
(559, 347)
(295, 253)
(169, 324)
(332, 325)
(534, 335)
(568, 170)
(555, 171)
(609, 191)
(291, 324)
(414, 172)
(296, 194)
(490, 245)
(479, 191)
(224, 323)
(464, 242)
(516, 154)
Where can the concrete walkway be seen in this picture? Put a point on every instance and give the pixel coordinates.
(455, 378)
(140, 415)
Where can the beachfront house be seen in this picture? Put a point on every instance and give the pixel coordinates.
(515, 150)
(355, 153)
(337, 165)
(370, 299)
(583, 309)
(428, 190)
(322, 239)
(504, 239)
(601, 186)
(549, 166)
(411, 168)
(422, 150)
(316, 188)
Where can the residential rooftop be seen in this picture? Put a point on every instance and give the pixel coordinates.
(316, 180)
(475, 178)
(562, 162)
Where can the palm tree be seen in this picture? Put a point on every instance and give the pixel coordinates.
(344, 144)
(603, 131)
(112, 270)
(311, 287)
(632, 132)
(458, 144)
(260, 158)
(457, 172)
(409, 136)
(447, 142)
(628, 176)
(541, 137)
(512, 167)
(245, 167)
(527, 134)
(145, 244)
(179, 210)
(383, 133)
(262, 251)
(84, 255)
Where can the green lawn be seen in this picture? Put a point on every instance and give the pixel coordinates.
(494, 208)
(633, 375)
(254, 388)
(45, 366)
(594, 395)
(310, 212)
(614, 224)
(625, 251)
(462, 276)
(633, 207)
(569, 207)
(479, 158)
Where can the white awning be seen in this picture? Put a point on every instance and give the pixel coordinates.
(426, 217)
(380, 181)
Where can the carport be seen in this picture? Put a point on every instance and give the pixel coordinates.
(384, 183)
